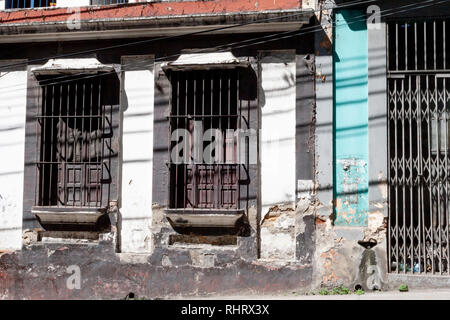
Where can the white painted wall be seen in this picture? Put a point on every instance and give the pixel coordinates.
(2, 4)
(13, 93)
(277, 101)
(378, 169)
(72, 3)
(137, 154)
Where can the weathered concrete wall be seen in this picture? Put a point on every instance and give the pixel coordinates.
(13, 86)
(378, 153)
(323, 142)
(353, 256)
(137, 153)
(277, 101)
(324, 134)
(223, 255)
(349, 256)
(42, 272)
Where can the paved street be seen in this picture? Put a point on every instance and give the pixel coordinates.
(429, 294)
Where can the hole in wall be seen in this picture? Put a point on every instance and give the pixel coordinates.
(225, 240)
(368, 244)
(130, 295)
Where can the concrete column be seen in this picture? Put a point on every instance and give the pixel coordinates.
(277, 153)
(13, 90)
(324, 134)
(378, 162)
(137, 153)
(277, 129)
(351, 119)
(324, 112)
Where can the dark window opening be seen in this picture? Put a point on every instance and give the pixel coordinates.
(106, 2)
(74, 143)
(418, 140)
(212, 99)
(419, 45)
(22, 4)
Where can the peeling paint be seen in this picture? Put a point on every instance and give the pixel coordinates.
(278, 233)
(351, 192)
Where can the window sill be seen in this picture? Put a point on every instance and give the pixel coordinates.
(204, 217)
(83, 216)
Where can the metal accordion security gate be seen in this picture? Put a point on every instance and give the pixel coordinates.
(418, 146)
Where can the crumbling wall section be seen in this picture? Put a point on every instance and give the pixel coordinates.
(278, 233)
(354, 257)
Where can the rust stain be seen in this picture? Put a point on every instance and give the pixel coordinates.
(320, 221)
(326, 44)
(330, 278)
(330, 259)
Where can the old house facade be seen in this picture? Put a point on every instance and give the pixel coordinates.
(201, 147)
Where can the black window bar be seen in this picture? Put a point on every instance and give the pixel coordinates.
(418, 146)
(212, 97)
(22, 4)
(74, 145)
(106, 2)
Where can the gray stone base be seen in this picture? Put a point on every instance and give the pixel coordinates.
(41, 272)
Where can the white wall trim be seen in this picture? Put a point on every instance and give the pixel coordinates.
(13, 92)
(137, 103)
(277, 101)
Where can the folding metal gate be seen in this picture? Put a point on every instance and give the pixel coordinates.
(418, 146)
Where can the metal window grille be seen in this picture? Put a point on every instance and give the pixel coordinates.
(418, 146)
(22, 4)
(212, 97)
(106, 2)
(73, 144)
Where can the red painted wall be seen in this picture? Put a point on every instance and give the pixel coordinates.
(158, 9)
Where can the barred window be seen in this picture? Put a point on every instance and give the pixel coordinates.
(22, 4)
(105, 2)
(211, 98)
(74, 144)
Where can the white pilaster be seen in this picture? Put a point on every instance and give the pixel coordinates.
(137, 154)
(13, 93)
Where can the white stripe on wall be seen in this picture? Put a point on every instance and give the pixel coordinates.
(13, 93)
(137, 154)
